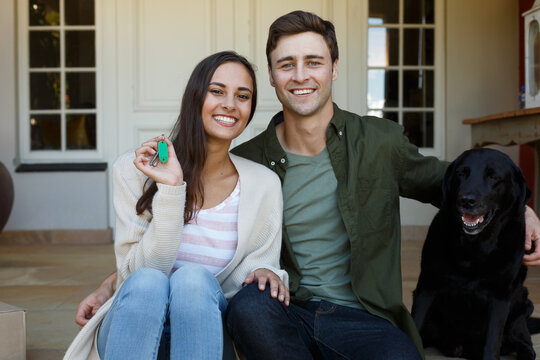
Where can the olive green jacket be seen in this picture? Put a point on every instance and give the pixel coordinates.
(374, 164)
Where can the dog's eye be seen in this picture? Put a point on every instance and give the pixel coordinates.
(462, 173)
(491, 174)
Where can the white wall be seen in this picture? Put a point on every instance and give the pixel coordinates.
(481, 78)
(482, 65)
(7, 84)
(42, 200)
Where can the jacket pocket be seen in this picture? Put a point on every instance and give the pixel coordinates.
(374, 205)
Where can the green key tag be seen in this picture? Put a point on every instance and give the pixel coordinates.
(163, 152)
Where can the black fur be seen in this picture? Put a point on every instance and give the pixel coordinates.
(470, 300)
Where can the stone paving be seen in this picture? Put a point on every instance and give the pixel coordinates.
(48, 281)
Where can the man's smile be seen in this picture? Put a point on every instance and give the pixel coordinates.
(302, 91)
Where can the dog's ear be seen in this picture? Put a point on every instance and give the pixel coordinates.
(521, 191)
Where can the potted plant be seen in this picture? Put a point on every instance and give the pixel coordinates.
(6, 195)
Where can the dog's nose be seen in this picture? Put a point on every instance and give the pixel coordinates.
(467, 201)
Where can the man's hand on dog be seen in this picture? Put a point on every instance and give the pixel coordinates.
(532, 232)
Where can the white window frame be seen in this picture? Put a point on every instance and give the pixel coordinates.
(26, 155)
(358, 54)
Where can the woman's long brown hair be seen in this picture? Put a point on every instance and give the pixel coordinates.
(188, 136)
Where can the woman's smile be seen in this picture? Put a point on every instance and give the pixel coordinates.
(225, 120)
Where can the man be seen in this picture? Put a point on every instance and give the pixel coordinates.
(342, 176)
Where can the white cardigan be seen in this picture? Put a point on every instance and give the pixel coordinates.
(148, 240)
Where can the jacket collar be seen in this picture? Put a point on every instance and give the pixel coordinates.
(273, 147)
(337, 124)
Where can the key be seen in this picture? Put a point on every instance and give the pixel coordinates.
(153, 162)
(162, 154)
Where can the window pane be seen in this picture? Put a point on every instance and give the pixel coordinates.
(418, 88)
(45, 90)
(80, 90)
(44, 49)
(418, 12)
(382, 88)
(81, 131)
(419, 128)
(80, 49)
(390, 115)
(383, 12)
(383, 46)
(418, 46)
(45, 132)
(44, 12)
(79, 12)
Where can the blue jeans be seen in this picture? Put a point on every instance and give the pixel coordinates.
(178, 317)
(263, 328)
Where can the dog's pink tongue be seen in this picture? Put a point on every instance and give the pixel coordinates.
(471, 219)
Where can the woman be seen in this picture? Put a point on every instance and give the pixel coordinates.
(190, 231)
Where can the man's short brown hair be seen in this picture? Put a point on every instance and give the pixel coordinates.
(297, 22)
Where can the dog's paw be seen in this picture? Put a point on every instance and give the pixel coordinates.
(457, 351)
(526, 354)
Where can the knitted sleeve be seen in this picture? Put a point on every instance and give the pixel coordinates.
(145, 240)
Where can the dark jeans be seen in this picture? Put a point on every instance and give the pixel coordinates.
(264, 328)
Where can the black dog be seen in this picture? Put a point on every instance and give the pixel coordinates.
(470, 300)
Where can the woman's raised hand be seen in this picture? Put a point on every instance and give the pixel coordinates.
(169, 173)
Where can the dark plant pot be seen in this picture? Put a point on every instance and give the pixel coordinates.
(7, 194)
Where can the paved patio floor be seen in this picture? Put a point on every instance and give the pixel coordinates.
(48, 281)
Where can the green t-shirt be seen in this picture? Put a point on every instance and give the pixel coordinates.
(318, 236)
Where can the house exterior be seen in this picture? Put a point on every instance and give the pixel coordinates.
(460, 57)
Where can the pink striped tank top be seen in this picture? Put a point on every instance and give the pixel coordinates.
(211, 238)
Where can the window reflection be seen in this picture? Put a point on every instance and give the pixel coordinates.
(419, 128)
(390, 115)
(79, 12)
(418, 47)
(418, 12)
(383, 46)
(45, 132)
(80, 49)
(44, 12)
(44, 49)
(45, 90)
(80, 90)
(382, 88)
(81, 131)
(418, 88)
(383, 12)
